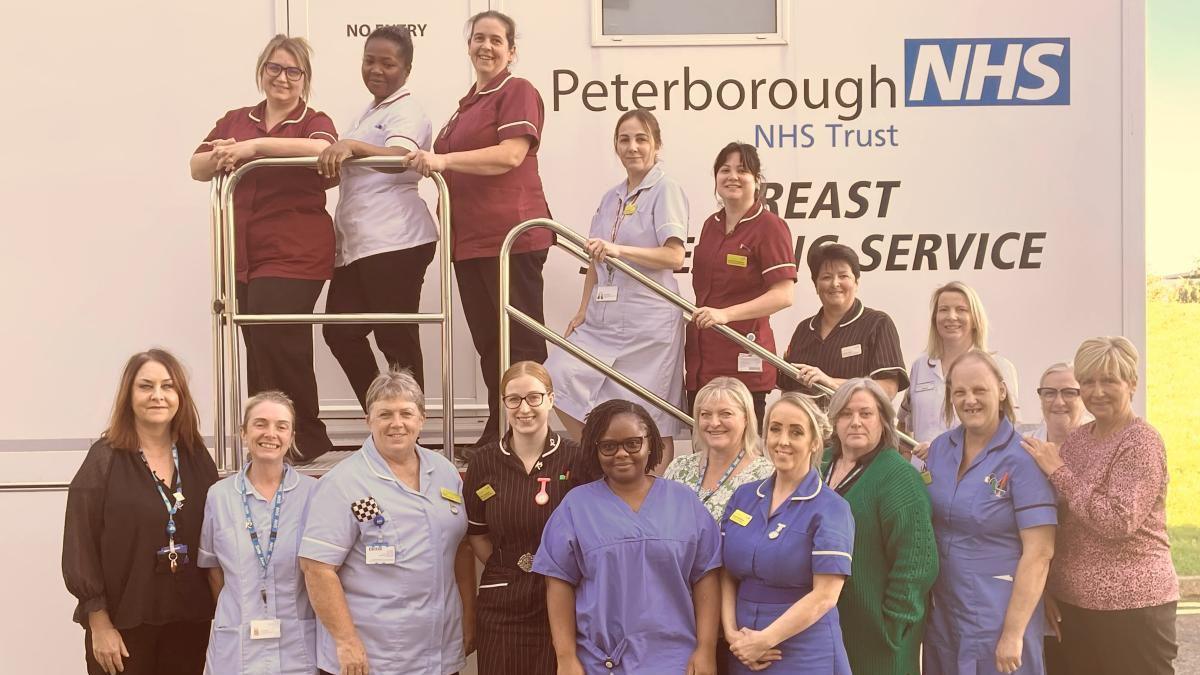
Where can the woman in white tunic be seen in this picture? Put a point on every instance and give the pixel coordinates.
(642, 221)
(249, 541)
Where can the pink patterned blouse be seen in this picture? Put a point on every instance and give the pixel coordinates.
(1112, 550)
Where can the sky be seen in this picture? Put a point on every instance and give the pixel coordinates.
(1172, 135)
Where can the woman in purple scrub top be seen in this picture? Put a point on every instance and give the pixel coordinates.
(628, 559)
(994, 515)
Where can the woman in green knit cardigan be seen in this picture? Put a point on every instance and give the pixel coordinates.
(884, 602)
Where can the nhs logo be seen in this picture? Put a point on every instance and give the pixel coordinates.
(987, 71)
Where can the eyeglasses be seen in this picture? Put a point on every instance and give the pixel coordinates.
(1048, 394)
(632, 445)
(533, 398)
(273, 69)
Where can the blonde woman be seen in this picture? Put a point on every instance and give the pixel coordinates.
(726, 442)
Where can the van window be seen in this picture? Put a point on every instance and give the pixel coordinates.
(687, 22)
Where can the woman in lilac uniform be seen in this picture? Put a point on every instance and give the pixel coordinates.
(628, 559)
(994, 516)
(787, 550)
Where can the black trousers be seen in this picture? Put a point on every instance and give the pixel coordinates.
(281, 356)
(760, 406)
(176, 648)
(385, 282)
(1118, 642)
(479, 292)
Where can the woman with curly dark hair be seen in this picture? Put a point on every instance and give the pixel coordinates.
(629, 542)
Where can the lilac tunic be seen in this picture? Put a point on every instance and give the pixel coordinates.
(633, 574)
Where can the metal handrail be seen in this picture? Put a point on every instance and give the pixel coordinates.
(226, 318)
(575, 244)
(34, 487)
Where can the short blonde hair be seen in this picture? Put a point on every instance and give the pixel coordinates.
(736, 392)
(887, 412)
(300, 50)
(979, 322)
(1006, 404)
(817, 421)
(1060, 367)
(395, 384)
(280, 398)
(1107, 355)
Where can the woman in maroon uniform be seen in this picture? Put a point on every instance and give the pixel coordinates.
(488, 155)
(284, 235)
(511, 488)
(743, 272)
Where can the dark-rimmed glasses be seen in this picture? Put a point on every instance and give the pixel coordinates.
(632, 445)
(533, 398)
(1048, 394)
(273, 69)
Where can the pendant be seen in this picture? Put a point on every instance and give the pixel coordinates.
(542, 498)
(775, 533)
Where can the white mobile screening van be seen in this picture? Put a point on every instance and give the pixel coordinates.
(1001, 145)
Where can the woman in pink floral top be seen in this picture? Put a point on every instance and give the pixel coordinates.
(1113, 584)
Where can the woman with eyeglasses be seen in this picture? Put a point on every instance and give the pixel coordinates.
(511, 488)
(1062, 406)
(283, 235)
(629, 560)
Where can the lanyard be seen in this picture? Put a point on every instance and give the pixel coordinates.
(264, 559)
(705, 495)
(172, 509)
(626, 209)
(849, 477)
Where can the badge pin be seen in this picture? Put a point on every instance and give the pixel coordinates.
(538, 466)
(542, 497)
(454, 510)
(775, 533)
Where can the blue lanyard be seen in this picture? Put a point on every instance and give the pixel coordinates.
(172, 509)
(264, 559)
(705, 495)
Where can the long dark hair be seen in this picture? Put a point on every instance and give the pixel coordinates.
(121, 433)
(596, 425)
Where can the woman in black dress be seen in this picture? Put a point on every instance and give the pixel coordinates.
(512, 486)
(134, 511)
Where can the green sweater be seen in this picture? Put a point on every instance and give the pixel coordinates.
(884, 602)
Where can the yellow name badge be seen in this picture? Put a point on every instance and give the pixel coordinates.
(451, 495)
(630, 208)
(741, 517)
(486, 492)
(736, 260)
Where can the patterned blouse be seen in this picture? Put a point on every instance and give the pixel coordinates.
(688, 469)
(1111, 550)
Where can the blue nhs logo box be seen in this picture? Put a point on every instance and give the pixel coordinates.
(987, 71)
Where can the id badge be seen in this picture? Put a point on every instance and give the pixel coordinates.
(265, 629)
(381, 554)
(606, 294)
(749, 363)
(162, 559)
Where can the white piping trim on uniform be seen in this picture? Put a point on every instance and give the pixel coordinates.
(842, 553)
(756, 214)
(554, 442)
(861, 308)
(302, 114)
(475, 523)
(497, 87)
(323, 132)
(775, 267)
(240, 483)
(513, 124)
(323, 543)
(501, 585)
(758, 491)
(880, 370)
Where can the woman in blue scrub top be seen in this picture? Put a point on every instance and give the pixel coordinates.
(787, 550)
(384, 554)
(994, 515)
(251, 534)
(642, 221)
(629, 559)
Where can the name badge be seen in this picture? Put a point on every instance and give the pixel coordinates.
(631, 208)
(381, 554)
(265, 629)
(749, 363)
(736, 260)
(451, 495)
(852, 350)
(486, 492)
(741, 517)
(925, 386)
(606, 294)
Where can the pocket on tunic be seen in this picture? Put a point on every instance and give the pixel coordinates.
(224, 650)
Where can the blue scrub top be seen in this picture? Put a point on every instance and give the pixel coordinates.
(774, 557)
(633, 574)
(407, 614)
(225, 543)
(977, 521)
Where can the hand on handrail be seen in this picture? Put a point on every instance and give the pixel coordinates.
(707, 317)
(425, 162)
(598, 248)
(812, 375)
(228, 153)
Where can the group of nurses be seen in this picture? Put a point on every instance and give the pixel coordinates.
(642, 221)
(789, 542)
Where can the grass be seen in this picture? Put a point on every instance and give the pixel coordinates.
(1172, 373)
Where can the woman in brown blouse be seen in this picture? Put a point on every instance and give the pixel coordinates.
(512, 487)
(134, 512)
